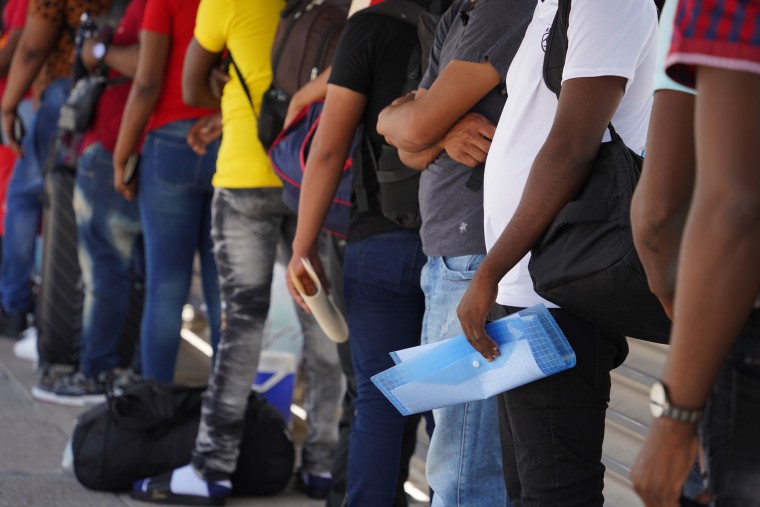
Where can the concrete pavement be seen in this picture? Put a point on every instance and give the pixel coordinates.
(32, 439)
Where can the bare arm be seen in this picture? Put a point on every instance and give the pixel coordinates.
(663, 195)
(415, 125)
(36, 41)
(6, 53)
(199, 63)
(467, 142)
(559, 170)
(146, 88)
(717, 279)
(122, 59)
(340, 117)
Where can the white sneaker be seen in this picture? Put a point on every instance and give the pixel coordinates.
(26, 347)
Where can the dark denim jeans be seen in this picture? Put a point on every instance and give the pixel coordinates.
(248, 225)
(552, 429)
(109, 231)
(175, 209)
(23, 200)
(729, 431)
(385, 308)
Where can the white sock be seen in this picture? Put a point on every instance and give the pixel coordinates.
(186, 481)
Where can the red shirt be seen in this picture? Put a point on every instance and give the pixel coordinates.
(175, 18)
(105, 127)
(14, 18)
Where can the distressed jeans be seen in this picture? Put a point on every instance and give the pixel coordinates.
(109, 231)
(247, 226)
(464, 457)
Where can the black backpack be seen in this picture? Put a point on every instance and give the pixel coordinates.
(150, 429)
(398, 184)
(306, 38)
(586, 262)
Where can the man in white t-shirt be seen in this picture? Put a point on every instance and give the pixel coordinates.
(552, 429)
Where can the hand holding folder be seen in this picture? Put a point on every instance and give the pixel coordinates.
(321, 305)
(531, 346)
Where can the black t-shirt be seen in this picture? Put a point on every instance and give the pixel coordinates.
(371, 59)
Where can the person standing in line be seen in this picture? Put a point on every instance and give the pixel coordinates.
(173, 186)
(45, 56)
(108, 226)
(249, 221)
(543, 150)
(465, 76)
(708, 394)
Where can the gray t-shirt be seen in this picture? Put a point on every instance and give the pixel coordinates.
(488, 30)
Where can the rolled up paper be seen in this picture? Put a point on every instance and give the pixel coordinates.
(322, 306)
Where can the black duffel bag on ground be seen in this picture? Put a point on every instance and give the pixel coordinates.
(150, 429)
(586, 261)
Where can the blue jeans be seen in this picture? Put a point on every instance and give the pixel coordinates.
(175, 209)
(729, 430)
(248, 225)
(464, 457)
(109, 229)
(23, 201)
(385, 307)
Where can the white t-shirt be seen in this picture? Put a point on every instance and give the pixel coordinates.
(606, 38)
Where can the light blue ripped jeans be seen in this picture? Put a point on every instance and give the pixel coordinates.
(464, 457)
(109, 230)
(247, 225)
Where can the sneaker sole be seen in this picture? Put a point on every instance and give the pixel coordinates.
(174, 499)
(41, 394)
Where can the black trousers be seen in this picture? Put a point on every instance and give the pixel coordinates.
(552, 429)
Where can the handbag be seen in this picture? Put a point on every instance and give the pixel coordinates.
(288, 155)
(150, 428)
(78, 112)
(586, 262)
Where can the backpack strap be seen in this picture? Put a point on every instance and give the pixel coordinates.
(244, 85)
(556, 48)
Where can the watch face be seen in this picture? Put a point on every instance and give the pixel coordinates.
(657, 400)
(99, 50)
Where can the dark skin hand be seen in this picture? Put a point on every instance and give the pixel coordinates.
(34, 45)
(720, 274)
(419, 120)
(204, 132)
(146, 89)
(341, 115)
(561, 166)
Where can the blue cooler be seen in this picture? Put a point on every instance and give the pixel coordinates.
(276, 378)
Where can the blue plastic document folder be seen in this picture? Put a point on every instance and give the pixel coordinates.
(531, 346)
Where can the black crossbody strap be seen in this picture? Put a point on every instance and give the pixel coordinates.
(244, 85)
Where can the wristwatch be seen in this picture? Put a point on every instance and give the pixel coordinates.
(99, 51)
(660, 405)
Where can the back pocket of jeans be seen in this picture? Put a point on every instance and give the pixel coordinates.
(174, 165)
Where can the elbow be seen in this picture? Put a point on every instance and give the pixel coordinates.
(652, 219)
(417, 134)
(147, 88)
